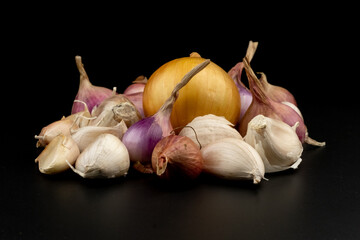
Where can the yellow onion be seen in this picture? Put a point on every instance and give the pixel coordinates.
(211, 91)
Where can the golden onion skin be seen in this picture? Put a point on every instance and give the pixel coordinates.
(211, 91)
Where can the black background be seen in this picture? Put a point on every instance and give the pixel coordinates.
(304, 51)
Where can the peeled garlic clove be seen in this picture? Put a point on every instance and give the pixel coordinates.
(53, 158)
(86, 135)
(106, 157)
(209, 128)
(276, 142)
(232, 158)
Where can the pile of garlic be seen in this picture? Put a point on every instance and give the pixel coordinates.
(90, 140)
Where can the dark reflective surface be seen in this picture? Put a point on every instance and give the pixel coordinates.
(320, 200)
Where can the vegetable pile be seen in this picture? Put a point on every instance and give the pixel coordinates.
(190, 117)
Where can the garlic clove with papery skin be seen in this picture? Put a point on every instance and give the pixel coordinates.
(105, 157)
(276, 142)
(53, 158)
(233, 159)
(206, 129)
(86, 135)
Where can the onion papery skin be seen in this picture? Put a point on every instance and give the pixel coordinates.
(211, 91)
(177, 157)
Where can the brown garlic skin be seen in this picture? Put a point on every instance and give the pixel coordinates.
(177, 157)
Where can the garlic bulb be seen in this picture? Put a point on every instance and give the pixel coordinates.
(276, 142)
(53, 158)
(106, 157)
(209, 128)
(232, 158)
(86, 135)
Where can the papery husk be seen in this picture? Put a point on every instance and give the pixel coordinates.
(177, 157)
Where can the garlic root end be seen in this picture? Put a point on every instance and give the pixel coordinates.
(313, 142)
(75, 170)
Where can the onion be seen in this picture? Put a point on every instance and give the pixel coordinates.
(212, 91)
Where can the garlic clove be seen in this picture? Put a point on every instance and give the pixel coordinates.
(105, 157)
(234, 159)
(53, 158)
(209, 128)
(49, 132)
(86, 135)
(276, 142)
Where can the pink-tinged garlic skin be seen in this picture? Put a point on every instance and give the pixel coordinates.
(177, 157)
(137, 86)
(134, 88)
(276, 93)
(88, 93)
(244, 92)
(92, 96)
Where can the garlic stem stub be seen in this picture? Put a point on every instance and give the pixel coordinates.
(276, 142)
(233, 159)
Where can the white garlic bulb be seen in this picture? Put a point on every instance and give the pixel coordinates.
(208, 129)
(53, 158)
(232, 158)
(105, 157)
(86, 135)
(276, 142)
